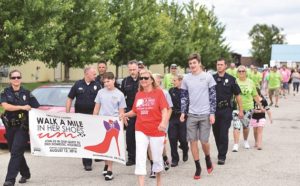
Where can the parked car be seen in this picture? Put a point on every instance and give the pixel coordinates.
(51, 98)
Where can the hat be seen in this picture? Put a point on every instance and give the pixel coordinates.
(140, 63)
(173, 65)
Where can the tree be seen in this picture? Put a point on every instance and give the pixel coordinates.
(87, 35)
(177, 31)
(262, 37)
(205, 34)
(23, 28)
(143, 35)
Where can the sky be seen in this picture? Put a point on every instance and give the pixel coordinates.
(239, 16)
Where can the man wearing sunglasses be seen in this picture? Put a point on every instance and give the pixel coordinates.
(226, 88)
(16, 102)
(129, 87)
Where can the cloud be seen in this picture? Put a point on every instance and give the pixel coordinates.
(239, 16)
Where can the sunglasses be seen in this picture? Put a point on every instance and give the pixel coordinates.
(144, 78)
(16, 77)
(241, 71)
(174, 68)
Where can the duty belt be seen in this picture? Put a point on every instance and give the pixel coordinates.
(223, 104)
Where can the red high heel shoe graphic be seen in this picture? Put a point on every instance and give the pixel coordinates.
(112, 131)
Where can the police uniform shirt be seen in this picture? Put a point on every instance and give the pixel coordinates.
(85, 95)
(21, 97)
(175, 96)
(226, 87)
(129, 88)
(99, 80)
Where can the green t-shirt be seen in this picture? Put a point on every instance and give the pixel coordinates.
(274, 80)
(256, 78)
(168, 81)
(248, 91)
(232, 72)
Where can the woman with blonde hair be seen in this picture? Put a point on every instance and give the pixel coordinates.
(248, 94)
(150, 107)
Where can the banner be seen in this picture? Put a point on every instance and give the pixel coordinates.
(76, 135)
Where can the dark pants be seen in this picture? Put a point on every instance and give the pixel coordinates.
(130, 139)
(85, 161)
(177, 132)
(296, 86)
(17, 139)
(220, 130)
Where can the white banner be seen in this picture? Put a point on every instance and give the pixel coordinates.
(76, 135)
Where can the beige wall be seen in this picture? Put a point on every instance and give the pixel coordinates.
(36, 71)
(33, 71)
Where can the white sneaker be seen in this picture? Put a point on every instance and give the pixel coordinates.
(235, 148)
(246, 145)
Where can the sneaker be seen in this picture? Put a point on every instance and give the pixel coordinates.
(271, 104)
(221, 162)
(235, 148)
(109, 176)
(246, 145)
(166, 165)
(185, 157)
(152, 174)
(87, 168)
(24, 179)
(104, 172)
(197, 174)
(209, 165)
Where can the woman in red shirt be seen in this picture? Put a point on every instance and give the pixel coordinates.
(150, 108)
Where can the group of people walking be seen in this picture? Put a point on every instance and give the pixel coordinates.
(184, 110)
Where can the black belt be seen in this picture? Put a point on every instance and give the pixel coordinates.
(223, 104)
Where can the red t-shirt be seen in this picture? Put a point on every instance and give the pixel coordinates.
(148, 106)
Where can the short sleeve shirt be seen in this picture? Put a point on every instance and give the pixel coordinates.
(274, 80)
(226, 87)
(248, 92)
(110, 102)
(198, 86)
(85, 95)
(148, 107)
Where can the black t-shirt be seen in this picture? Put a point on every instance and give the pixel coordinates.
(85, 95)
(264, 103)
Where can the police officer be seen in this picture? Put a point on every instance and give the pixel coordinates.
(102, 67)
(225, 89)
(129, 88)
(16, 102)
(85, 92)
(177, 129)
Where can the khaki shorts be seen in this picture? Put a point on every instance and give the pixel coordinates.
(274, 91)
(198, 128)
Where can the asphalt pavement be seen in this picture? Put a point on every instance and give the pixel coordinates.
(277, 164)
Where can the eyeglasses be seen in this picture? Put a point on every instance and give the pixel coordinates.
(240, 71)
(16, 77)
(144, 78)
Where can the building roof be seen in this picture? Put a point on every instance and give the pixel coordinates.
(285, 53)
